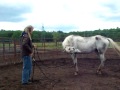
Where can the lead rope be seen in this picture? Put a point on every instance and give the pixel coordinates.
(41, 70)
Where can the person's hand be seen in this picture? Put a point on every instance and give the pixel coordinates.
(35, 46)
(31, 54)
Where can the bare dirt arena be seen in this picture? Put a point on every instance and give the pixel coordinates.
(59, 75)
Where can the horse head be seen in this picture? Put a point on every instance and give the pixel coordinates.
(71, 49)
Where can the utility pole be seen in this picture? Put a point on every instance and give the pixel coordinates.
(43, 37)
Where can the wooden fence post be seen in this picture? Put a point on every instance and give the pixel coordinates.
(14, 48)
(9, 45)
(44, 45)
(3, 49)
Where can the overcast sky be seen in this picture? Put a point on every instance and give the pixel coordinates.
(64, 15)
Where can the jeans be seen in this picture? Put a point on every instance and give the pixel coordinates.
(27, 68)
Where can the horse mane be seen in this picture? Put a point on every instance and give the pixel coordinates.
(68, 41)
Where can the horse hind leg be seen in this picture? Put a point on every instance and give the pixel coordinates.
(74, 57)
(102, 59)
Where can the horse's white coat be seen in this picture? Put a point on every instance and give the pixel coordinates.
(77, 44)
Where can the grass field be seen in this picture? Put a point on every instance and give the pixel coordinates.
(47, 45)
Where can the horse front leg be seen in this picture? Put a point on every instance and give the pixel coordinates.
(74, 57)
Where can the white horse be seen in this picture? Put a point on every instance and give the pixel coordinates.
(99, 44)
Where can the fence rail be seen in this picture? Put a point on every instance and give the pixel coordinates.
(10, 51)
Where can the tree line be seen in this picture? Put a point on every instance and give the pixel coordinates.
(113, 33)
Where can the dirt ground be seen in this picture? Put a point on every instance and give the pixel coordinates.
(59, 75)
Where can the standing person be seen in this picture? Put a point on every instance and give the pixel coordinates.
(27, 51)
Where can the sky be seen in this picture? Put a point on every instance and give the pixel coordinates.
(63, 15)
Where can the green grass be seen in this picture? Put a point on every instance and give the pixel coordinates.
(118, 43)
(48, 45)
(6, 45)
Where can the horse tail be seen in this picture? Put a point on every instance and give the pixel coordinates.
(114, 45)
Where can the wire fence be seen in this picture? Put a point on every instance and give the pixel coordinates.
(10, 51)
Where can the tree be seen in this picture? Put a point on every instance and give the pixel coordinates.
(16, 34)
(61, 35)
(56, 37)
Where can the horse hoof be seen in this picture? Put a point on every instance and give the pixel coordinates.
(99, 72)
(76, 73)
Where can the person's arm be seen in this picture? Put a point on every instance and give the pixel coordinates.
(25, 43)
